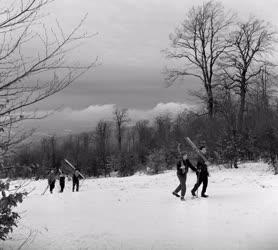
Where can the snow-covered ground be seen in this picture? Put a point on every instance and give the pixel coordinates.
(139, 212)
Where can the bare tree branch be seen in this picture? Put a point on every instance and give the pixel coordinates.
(198, 44)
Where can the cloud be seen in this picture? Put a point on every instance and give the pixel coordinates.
(90, 114)
(70, 120)
(172, 108)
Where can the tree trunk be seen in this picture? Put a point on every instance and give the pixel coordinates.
(241, 109)
(120, 142)
(235, 148)
(210, 105)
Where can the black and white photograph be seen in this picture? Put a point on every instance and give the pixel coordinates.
(138, 125)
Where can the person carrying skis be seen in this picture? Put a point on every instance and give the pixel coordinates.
(182, 168)
(51, 180)
(202, 175)
(62, 178)
(75, 180)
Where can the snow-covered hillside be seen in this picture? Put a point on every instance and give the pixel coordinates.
(139, 212)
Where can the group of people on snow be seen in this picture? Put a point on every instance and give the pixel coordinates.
(183, 165)
(201, 171)
(53, 175)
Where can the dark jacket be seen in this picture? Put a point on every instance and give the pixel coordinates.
(187, 165)
(202, 166)
(76, 177)
(62, 177)
(51, 178)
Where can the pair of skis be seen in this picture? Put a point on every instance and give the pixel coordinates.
(73, 167)
(194, 147)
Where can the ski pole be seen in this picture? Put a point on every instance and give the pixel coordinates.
(45, 190)
(198, 183)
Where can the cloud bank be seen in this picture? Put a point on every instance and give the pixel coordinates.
(70, 120)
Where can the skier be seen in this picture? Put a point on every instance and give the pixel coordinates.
(75, 180)
(182, 169)
(62, 178)
(51, 180)
(202, 175)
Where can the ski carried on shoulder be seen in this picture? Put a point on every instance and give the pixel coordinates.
(73, 167)
(194, 147)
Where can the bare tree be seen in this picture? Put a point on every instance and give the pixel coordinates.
(251, 43)
(102, 139)
(28, 77)
(121, 118)
(198, 44)
(163, 125)
(179, 126)
(130, 140)
(144, 137)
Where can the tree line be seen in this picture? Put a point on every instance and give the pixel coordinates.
(126, 146)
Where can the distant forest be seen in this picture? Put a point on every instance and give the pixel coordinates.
(151, 146)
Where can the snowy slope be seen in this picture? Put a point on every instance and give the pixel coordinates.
(139, 212)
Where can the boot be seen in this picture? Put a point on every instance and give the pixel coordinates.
(193, 193)
(176, 194)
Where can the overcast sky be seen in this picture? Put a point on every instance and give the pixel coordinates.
(131, 35)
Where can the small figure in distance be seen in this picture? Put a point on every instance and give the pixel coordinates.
(51, 180)
(62, 178)
(75, 180)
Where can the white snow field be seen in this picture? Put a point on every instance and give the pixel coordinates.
(139, 212)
